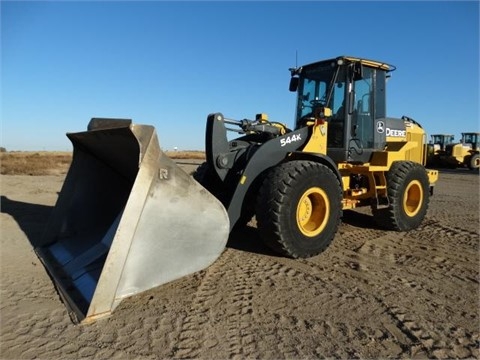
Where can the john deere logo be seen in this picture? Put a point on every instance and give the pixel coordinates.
(380, 127)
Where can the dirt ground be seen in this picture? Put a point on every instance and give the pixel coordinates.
(371, 294)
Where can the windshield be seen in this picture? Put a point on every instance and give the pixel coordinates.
(442, 139)
(470, 138)
(315, 88)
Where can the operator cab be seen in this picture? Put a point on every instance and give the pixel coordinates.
(471, 138)
(441, 141)
(350, 94)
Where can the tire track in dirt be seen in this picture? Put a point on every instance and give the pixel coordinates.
(227, 287)
(142, 326)
(35, 337)
(369, 261)
(432, 228)
(193, 335)
(426, 340)
(284, 319)
(402, 327)
(323, 320)
(419, 247)
(425, 257)
(416, 267)
(241, 340)
(416, 336)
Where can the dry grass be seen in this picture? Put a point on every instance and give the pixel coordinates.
(57, 163)
(35, 163)
(197, 155)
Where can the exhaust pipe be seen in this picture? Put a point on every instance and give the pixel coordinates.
(127, 219)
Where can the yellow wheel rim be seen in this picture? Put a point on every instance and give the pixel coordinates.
(313, 211)
(413, 198)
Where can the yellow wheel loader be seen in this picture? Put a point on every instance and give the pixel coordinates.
(463, 154)
(437, 147)
(128, 219)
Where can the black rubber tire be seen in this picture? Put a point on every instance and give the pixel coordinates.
(474, 162)
(207, 178)
(408, 195)
(299, 208)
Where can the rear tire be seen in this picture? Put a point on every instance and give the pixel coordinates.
(408, 195)
(299, 208)
(474, 163)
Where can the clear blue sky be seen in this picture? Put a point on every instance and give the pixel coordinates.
(170, 64)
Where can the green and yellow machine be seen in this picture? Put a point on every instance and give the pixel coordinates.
(466, 153)
(436, 148)
(128, 219)
(443, 152)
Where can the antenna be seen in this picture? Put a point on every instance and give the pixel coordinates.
(294, 69)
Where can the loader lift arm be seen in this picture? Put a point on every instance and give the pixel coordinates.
(238, 165)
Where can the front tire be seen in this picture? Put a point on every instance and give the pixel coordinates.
(299, 208)
(408, 195)
(205, 175)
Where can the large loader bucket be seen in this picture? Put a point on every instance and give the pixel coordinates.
(127, 220)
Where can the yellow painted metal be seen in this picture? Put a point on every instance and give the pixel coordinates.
(432, 176)
(327, 112)
(318, 140)
(352, 197)
(313, 211)
(410, 147)
(261, 117)
(372, 63)
(349, 204)
(413, 198)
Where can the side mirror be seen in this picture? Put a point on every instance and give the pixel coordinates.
(357, 71)
(293, 84)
